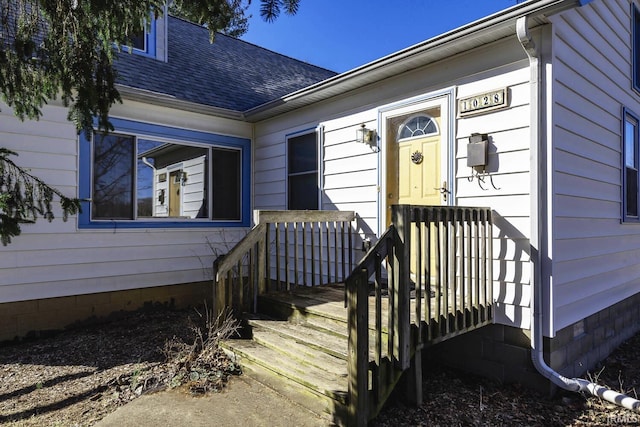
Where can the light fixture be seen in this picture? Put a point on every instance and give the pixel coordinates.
(365, 136)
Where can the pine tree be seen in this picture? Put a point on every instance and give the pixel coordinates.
(65, 49)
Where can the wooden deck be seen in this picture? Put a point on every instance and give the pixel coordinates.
(376, 331)
(329, 301)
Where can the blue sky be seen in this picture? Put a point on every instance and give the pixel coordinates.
(344, 34)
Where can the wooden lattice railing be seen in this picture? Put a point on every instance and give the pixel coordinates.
(284, 249)
(443, 255)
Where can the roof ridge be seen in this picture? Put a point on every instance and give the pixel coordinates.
(218, 33)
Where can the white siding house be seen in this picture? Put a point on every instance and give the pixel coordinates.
(553, 177)
(551, 84)
(595, 256)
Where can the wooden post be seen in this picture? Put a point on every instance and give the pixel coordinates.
(358, 357)
(490, 273)
(218, 293)
(402, 220)
(261, 271)
(411, 381)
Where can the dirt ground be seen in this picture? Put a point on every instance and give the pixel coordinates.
(77, 377)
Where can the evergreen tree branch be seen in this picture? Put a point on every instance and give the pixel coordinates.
(24, 197)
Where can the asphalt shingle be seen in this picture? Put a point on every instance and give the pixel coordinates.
(229, 73)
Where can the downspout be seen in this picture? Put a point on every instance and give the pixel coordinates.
(537, 355)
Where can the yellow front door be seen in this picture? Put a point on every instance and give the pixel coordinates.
(174, 193)
(414, 171)
(419, 171)
(414, 160)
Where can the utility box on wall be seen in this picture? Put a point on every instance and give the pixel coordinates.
(477, 150)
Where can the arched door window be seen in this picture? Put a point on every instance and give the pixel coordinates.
(417, 125)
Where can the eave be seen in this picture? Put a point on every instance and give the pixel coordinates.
(164, 100)
(486, 30)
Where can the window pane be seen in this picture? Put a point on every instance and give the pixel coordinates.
(630, 144)
(226, 184)
(302, 187)
(303, 155)
(417, 126)
(303, 191)
(632, 192)
(138, 40)
(172, 180)
(113, 177)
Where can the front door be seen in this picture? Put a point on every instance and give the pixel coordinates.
(414, 159)
(174, 193)
(416, 165)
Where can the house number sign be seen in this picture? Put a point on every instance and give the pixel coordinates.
(483, 102)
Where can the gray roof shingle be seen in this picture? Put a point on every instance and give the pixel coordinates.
(229, 73)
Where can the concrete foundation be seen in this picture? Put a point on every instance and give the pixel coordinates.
(503, 353)
(37, 317)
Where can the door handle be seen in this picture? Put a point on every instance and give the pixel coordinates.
(444, 191)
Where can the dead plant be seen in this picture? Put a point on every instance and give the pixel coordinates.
(201, 365)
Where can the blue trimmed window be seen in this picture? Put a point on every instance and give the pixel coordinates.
(144, 43)
(635, 60)
(146, 175)
(302, 172)
(630, 166)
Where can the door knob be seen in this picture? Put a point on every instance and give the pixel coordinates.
(444, 191)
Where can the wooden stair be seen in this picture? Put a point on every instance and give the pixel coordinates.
(297, 346)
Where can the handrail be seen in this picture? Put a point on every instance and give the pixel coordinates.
(444, 256)
(356, 301)
(239, 251)
(302, 216)
(321, 240)
(382, 246)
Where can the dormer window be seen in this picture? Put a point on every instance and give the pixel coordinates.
(144, 43)
(139, 41)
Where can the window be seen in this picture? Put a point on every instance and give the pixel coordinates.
(420, 125)
(630, 167)
(636, 46)
(302, 169)
(144, 42)
(149, 175)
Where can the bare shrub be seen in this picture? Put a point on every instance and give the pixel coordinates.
(201, 365)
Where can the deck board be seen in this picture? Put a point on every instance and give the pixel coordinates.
(329, 300)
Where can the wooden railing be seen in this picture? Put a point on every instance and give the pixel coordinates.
(284, 249)
(444, 256)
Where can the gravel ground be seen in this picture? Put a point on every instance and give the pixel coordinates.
(77, 377)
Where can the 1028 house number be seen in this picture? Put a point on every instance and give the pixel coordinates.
(483, 102)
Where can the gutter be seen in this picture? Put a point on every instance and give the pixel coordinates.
(537, 227)
(357, 77)
(165, 100)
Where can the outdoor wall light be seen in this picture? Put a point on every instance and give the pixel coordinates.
(365, 136)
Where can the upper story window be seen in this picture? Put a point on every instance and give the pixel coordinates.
(146, 175)
(302, 172)
(144, 42)
(635, 60)
(631, 161)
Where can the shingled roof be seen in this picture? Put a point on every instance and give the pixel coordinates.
(229, 73)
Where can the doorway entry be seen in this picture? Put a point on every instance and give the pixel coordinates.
(416, 155)
(416, 158)
(175, 184)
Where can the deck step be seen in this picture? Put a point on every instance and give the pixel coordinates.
(300, 353)
(297, 345)
(333, 412)
(297, 308)
(305, 340)
(318, 381)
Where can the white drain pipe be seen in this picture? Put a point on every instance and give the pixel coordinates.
(538, 184)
